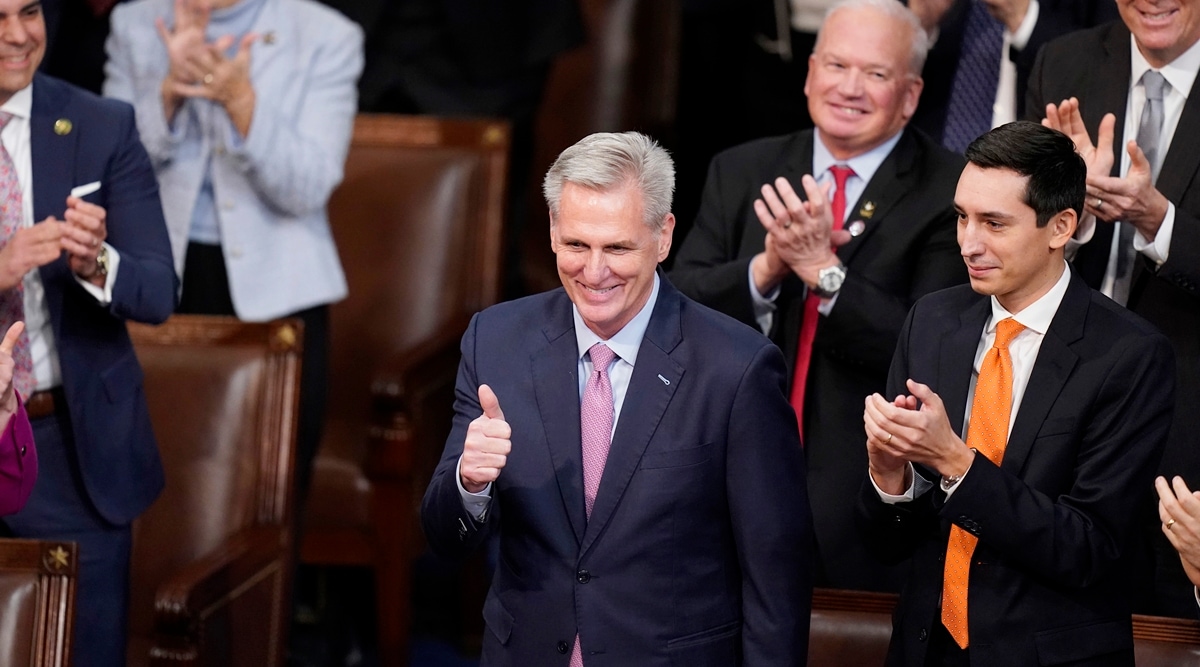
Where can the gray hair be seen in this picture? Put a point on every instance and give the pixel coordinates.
(606, 161)
(919, 41)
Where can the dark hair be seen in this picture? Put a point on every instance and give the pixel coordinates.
(1056, 174)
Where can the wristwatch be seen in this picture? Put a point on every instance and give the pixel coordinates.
(101, 262)
(829, 280)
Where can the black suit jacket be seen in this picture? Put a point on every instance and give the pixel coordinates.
(697, 548)
(907, 249)
(1094, 66)
(1049, 580)
(1055, 18)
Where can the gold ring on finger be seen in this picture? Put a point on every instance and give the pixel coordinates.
(1170, 523)
(889, 439)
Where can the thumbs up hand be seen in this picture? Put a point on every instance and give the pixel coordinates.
(487, 445)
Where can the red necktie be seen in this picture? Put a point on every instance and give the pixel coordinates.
(808, 326)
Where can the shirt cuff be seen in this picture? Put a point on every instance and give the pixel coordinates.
(764, 306)
(918, 486)
(1160, 248)
(476, 504)
(104, 294)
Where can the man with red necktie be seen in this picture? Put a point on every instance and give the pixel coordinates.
(824, 239)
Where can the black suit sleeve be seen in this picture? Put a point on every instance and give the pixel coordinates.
(708, 268)
(451, 530)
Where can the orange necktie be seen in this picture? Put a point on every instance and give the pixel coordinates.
(808, 325)
(987, 434)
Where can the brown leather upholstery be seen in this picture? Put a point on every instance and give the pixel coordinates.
(853, 628)
(626, 77)
(211, 558)
(37, 602)
(418, 223)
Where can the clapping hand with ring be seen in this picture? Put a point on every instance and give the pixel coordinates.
(1179, 511)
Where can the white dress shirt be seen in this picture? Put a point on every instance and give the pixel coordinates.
(38, 327)
(625, 343)
(1036, 317)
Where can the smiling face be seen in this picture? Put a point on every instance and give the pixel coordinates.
(1007, 255)
(22, 44)
(1164, 29)
(606, 254)
(860, 90)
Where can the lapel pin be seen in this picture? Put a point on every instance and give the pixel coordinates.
(62, 127)
(269, 38)
(867, 210)
(664, 380)
(857, 227)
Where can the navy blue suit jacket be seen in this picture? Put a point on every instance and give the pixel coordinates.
(1056, 520)
(117, 454)
(697, 550)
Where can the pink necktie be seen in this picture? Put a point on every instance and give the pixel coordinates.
(808, 325)
(596, 424)
(12, 301)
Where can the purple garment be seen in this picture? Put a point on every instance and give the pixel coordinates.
(18, 462)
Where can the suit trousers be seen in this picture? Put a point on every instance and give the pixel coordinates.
(60, 509)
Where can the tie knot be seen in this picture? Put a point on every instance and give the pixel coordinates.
(840, 174)
(1006, 330)
(602, 356)
(1154, 83)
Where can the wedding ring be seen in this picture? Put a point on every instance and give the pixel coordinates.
(1170, 523)
(1098, 203)
(208, 78)
(787, 224)
(889, 439)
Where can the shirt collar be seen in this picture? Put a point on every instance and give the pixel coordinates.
(626, 341)
(1180, 73)
(1037, 315)
(20, 104)
(864, 165)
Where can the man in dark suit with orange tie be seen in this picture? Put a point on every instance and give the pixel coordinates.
(1023, 420)
(633, 450)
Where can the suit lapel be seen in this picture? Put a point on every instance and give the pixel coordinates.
(556, 388)
(895, 178)
(655, 377)
(52, 162)
(1053, 366)
(958, 362)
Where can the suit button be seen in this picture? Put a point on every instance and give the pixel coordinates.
(563, 648)
(22, 450)
(923, 635)
(583, 576)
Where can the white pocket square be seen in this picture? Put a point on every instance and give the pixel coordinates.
(85, 190)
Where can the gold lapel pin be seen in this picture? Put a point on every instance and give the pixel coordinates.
(62, 127)
(867, 210)
(269, 38)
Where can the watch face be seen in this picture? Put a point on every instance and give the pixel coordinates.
(830, 280)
